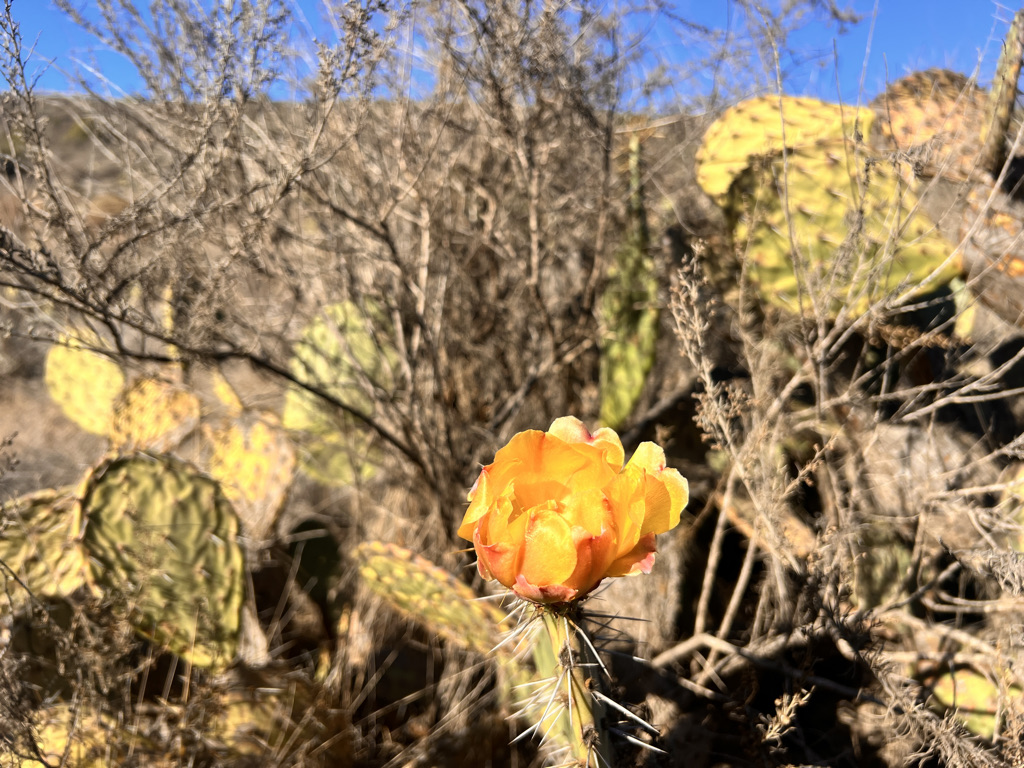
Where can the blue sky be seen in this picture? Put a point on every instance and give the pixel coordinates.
(904, 36)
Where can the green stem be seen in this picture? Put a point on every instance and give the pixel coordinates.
(567, 657)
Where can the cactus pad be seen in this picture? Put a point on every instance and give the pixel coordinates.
(974, 698)
(429, 595)
(765, 126)
(167, 538)
(629, 311)
(254, 461)
(86, 384)
(153, 415)
(934, 117)
(848, 230)
(346, 353)
(82, 738)
(39, 543)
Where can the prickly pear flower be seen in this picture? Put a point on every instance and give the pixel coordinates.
(557, 512)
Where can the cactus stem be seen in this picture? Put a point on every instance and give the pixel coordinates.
(582, 713)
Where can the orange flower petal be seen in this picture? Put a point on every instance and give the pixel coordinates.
(666, 492)
(556, 512)
(552, 593)
(594, 555)
(549, 552)
(480, 502)
(572, 430)
(625, 500)
(638, 560)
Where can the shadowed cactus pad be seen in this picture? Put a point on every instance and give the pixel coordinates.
(166, 537)
(975, 699)
(346, 353)
(40, 544)
(82, 737)
(153, 415)
(254, 461)
(429, 595)
(86, 384)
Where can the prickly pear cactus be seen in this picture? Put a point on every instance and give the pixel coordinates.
(86, 384)
(40, 545)
(166, 537)
(629, 310)
(345, 352)
(68, 735)
(764, 126)
(974, 699)
(1002, 100)
(430, 595)
(153, 415)
(936, 119)
(823, 226)
(254, 461)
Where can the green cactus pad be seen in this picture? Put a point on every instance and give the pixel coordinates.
(344, 352)
(86, 384)
(254, 461)
(974, 699)
(166, 537)
(796, 250)
(153, 415)
(40, 545)
(764, 126)
(629, 311)
(429, 595)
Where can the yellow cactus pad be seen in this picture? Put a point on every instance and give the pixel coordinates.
(165, 538)
(40, 544)
(974, 699)
(429, 595)
(346, 352)
(824, 226)
(765, 126)
(255, 464)
(153, 415)
(86, 384)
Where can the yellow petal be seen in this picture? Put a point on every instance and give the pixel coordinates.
(480, 501)
(549, 555)
(648, 457)
(586, 509)
(666, 492)
(572, 430)
(626, 504)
